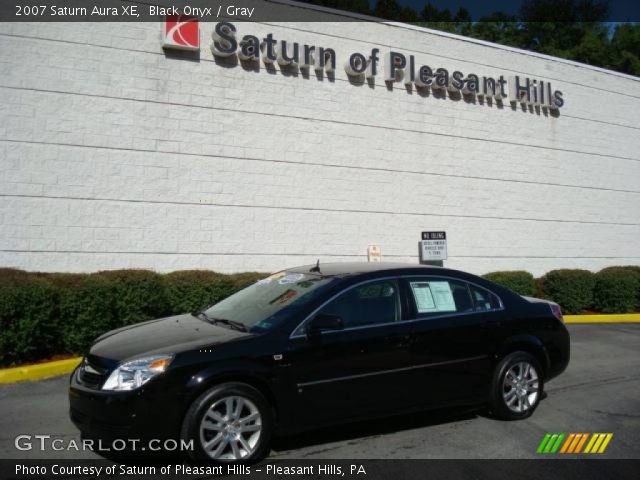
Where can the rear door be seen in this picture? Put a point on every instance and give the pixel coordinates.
(451, 338)
(361, 369)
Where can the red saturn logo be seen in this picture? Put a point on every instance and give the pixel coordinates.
(181, 32)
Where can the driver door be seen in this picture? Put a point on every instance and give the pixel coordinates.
(359, 369)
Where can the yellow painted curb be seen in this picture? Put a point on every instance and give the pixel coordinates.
(38, 371)
(614, 318)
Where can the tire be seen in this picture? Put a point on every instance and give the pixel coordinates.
(229, 423)
(515, 396)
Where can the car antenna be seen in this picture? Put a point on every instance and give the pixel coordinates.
(316, 268)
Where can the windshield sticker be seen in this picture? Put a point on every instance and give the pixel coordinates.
(284, 298)
(291, 278)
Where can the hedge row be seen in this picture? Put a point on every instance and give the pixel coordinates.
(46, 314)
(611, 290)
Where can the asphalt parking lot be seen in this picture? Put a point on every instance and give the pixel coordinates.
(599, 392)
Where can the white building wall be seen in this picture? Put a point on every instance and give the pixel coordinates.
(115, 155)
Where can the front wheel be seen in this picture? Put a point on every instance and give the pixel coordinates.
(517, 386)
(230, 423)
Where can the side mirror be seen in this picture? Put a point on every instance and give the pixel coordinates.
(325, 321)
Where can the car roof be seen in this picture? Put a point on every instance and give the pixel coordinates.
(354, 268)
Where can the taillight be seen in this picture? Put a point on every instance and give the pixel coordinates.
(557, 312)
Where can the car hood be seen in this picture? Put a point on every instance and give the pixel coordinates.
(165, 335)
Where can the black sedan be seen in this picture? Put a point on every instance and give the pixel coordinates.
(319, 345)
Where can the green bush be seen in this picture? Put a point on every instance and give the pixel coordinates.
(193, 290)
(518, 281)
(635, 269)
(571, 289)
(29, 328)
(86, 309)
(138, 295)
(617, 289)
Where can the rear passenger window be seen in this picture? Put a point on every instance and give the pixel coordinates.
(438, 296)
(483, 299)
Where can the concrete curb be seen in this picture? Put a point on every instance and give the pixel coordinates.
(614, 318)
(61, 367)
(38, 371)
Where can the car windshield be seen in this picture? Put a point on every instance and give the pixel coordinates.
(264, 304)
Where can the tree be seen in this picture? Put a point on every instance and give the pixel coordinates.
(594, 47)
(409, 15)
(557, 26)
(571, 29)
(387, 9)
(437, 19)
(499, 28)
(626, 42)
(462, 21)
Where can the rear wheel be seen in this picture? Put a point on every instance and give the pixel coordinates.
(517, 386)
(230, 423)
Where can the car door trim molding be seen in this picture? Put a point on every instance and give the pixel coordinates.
(394, 370)
(399, 322)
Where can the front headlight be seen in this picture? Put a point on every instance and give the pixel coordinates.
(136, 373)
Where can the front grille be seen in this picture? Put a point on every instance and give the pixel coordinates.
(91, 376)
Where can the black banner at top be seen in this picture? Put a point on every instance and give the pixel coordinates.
(303, 11)
(158, 10)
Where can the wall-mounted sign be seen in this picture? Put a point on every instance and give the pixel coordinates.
(433, 246)
(226, 42)
(374, 254)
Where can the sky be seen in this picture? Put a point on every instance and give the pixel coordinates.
(620, 10)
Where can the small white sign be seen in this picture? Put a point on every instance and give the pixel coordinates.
(374, 254)
(433, 246)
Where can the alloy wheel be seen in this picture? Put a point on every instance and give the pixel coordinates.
(521, 387)
(230, 429)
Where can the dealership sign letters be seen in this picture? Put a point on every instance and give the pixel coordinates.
(181, 32)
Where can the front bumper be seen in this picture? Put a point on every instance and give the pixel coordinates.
(144, 413)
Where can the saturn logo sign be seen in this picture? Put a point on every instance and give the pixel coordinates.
(181, 32)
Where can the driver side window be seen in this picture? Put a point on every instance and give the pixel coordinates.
(369, 304)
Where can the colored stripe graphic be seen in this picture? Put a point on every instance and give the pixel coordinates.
(568, 442)
(550, 443)
(598, 443)
(573, 443)
(543, 443)
(581, 442)
(605, 443)
(555, 447)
